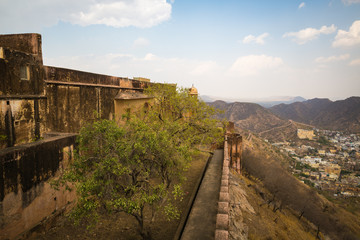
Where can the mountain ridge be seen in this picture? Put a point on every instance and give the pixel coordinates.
(249, 116)
(342, 115)
(265, 102)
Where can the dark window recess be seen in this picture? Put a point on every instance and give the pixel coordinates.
(24, 73)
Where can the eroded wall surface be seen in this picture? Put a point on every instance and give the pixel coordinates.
(26, 196)
(76, 97)
(22, 99)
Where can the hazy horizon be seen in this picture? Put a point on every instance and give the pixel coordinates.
(269, 98)
(230, 49)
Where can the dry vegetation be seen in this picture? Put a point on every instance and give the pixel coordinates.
(255, 216)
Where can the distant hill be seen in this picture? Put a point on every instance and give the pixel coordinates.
(286, 100)
(250, 116)
(342, 115)
(265, 102)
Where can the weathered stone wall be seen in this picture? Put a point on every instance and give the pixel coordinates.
(11, 84)
(28, 43)
(25, 193)
(48, 99)
(305, 134)
(122, 106)
(75, 97)
(25, 98)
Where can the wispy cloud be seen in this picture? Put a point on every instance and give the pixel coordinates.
(332, 58)
(302, 5)
(255, 64)
(259, 39)
(355, 62)
(141, 42)
(348, 38)
(305, 35)
(114, 13)
(349, 2)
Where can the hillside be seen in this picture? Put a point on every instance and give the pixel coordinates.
(250, 116)
(342, 115)
(286, 195)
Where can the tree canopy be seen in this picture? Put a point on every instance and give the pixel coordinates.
(140, 163)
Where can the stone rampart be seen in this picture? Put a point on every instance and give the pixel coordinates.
(25, 192)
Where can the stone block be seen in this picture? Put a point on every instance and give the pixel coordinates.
(222, 221)
(225, 183)
(225, 177)
(224, 189)
(225, 170)
(224, 197)
(221, 235)
(223, 207)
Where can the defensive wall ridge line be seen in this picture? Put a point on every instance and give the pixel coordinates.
(222, 217)
(232, 159)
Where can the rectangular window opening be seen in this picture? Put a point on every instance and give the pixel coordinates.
(24, 72)
(2, 53)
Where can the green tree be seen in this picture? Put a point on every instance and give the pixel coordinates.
(139, 165)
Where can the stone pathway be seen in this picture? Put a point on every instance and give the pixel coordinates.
(201, 223)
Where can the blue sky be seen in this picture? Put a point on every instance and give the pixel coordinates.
(226, 48)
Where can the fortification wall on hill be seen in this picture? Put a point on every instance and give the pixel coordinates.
(35, 100)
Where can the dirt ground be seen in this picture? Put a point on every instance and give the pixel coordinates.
(123, 226)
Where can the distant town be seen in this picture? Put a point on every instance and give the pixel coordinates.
(326, 160)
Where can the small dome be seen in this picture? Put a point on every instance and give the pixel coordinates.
(193, 91)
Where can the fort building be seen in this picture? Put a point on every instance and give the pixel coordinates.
(41, 110)
(305, 134)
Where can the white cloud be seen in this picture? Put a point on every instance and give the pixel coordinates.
(355, 62)
(36, 14)
(350, 38)
(255, 64)
(349, 2)
(150, 57)
(259, 39)
(308, 34)
(141, 42)
(332, 58)
(301, 5)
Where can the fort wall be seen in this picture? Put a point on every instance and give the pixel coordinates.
(25, 193)
(76, 97)
(36, 100)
